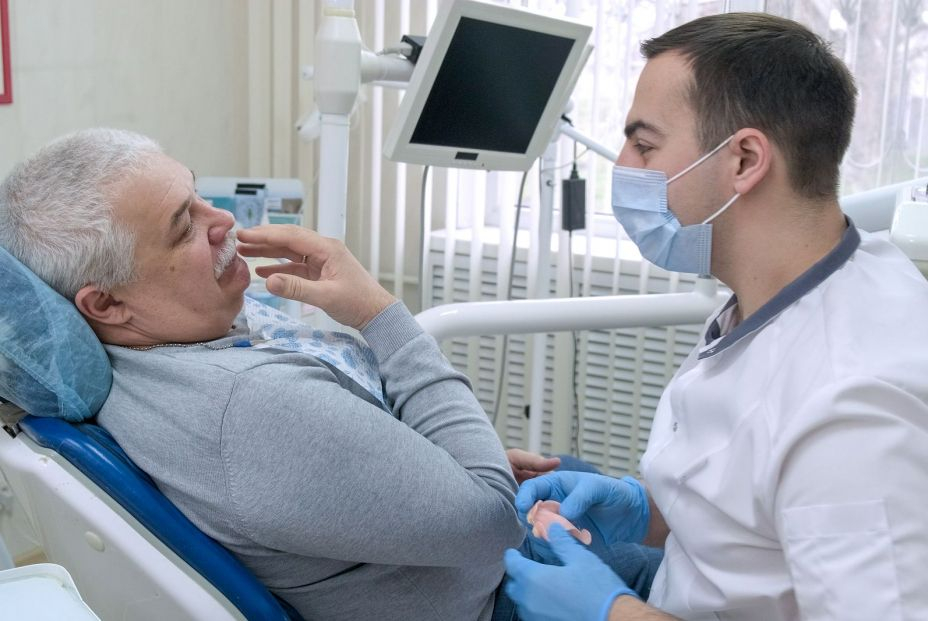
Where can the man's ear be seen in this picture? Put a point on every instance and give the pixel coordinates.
(754, 156)
(101, 307)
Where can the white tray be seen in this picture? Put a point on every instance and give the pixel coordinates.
(41, 592)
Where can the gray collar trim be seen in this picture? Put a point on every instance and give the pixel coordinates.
(792, 292)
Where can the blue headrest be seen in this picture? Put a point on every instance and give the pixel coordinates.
(51, 363)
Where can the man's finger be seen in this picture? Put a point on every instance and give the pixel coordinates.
(265, 250)
(524, 475)
(299, 240)
(294, 288)
(310, 271)
(548, 463)
(273, 233)
(531, 461)
(296, 269)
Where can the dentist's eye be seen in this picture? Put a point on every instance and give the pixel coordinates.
(642, 148)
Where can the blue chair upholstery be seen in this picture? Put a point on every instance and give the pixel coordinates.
(91, 449)
(53, 367)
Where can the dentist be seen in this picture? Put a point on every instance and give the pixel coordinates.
(787, 467)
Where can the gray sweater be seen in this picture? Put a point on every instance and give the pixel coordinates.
(339, 507)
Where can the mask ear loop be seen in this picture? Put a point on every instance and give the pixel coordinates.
(701, 160)
(723, 208)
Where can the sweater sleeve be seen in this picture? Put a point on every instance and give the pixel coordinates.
(312, 469)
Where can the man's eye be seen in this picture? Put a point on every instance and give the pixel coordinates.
(188, 232)
(642, 148)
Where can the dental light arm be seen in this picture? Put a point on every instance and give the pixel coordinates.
(568, 130)
(342, 65)
(607, 312)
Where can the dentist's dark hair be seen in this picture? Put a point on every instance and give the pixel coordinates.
(772, 74)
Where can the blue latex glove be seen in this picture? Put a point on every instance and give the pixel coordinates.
(583, 589)
(615, 510)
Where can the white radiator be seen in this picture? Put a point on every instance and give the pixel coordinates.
(620, 373)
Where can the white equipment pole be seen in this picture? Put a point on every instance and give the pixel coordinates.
(337, 79)
(548, 180)
(541, 280)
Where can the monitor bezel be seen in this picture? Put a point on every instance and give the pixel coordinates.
(397, 146)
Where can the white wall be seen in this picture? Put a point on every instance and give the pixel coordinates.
(176, 70)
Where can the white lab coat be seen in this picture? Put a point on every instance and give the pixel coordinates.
(789, 454)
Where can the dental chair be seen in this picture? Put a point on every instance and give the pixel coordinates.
(131, 552)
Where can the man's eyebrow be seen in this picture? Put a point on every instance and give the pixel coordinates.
(179, 213)
(634, 126)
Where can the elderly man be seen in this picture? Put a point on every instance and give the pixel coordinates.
(349, 498)
(787, 468)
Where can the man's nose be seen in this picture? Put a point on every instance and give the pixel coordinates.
(221, 222)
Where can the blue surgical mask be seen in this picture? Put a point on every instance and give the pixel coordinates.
(639, 202)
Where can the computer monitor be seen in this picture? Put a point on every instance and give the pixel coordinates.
(489, 87)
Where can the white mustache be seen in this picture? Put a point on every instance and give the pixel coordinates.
(226, 255)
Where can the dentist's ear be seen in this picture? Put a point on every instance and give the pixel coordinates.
(100, 307)
(753, 156)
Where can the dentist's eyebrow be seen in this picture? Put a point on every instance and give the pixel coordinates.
(636, 126)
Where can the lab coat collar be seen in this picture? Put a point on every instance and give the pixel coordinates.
(715, 342)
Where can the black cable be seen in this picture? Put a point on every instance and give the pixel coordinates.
(576, 429)
(422, 258)
(512, 271)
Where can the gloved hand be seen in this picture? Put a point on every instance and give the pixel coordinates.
(615, 510)
(583, 589)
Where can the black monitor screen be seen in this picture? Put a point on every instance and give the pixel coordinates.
(491, 88)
